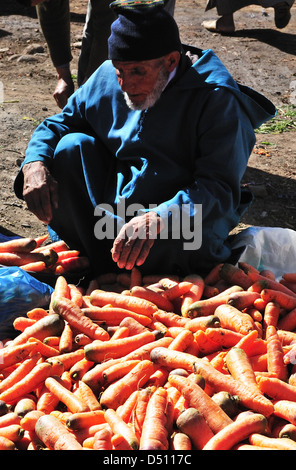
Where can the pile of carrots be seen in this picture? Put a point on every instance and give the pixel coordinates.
(155, 363)
(33, 256)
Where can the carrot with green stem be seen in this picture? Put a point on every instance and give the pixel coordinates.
(237, 431)
(154, 434)
(71, 313)
(55, 435)
(117, 392)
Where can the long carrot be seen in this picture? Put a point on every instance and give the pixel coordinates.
(143, 398)
(117, 392)
(197, 398)
(43, 349)
(243, 299)
(275, 354)
(234, 276)
(202, 323)
(73, 403)
(224, 337)
(208, 306)
(159, 299)
(48, 401)
(154, 430)
(29, 383)
(286, 301)
(114, 315)
(85, 419)
(233, 319)
(276, 388)
(194, 294)
(258, 439)
(118, 370)
(240, 367)
(13, 354)
(55, 435)
(170, 318)
(142, 306)
(21, 245)
(71, 313)
(126, 410)
(288, 321)
(285, 409)
(99, 351)
(237, 431)
(66, 339)
(50, 325)
(119, 426)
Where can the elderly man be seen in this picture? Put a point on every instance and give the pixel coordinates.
(143, 165)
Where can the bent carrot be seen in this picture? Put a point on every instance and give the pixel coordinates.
(117, 392)
(275, 354)
(142, 306)
(119, 426)
(154, 430)
(233, 319)
(71, 313)
(99, 351)
(74, 404)
(29, 383)
(237, 431)
(197, 398)
(55, 435)
(50, 325)
(240, 367)
(272, 442)
(13, 354)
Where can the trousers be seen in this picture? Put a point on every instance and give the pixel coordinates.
(227, 7)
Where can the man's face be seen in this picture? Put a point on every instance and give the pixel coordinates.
(142, 82)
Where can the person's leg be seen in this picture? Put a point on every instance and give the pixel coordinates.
(169, 5)
(82, 166)
(94, 50)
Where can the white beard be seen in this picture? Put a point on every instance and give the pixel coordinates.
(154, 96)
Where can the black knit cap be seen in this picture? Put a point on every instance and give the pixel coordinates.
(143, 30)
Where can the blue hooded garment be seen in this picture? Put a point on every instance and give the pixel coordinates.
(189, 151)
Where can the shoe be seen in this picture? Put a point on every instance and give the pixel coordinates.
(282, 14)
(217, 26)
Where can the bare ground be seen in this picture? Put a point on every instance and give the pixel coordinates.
(257, 54)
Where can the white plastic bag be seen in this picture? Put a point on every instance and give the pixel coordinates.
(271, 248)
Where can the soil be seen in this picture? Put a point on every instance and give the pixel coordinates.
(257, 55)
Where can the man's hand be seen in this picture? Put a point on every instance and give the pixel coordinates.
(135, 239)
(40, 190)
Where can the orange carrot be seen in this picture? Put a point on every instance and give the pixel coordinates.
(275, 354)
(159, 299)
(288, 321)
(119, 332)
(194, 294)
(119, 426)
(119, 391)
(41, 239)
(180, 441)
(21, 245)
(237, 431)
(240, 367)
(208, 306)
(202, 323)
(142, 306)
(213, 276)
(67, 254)
(66, 339)
(30, 419)
(7, 444)
(9, 418)
(170, 318)
(13, 432)
(133, 325)
(55, 435)
(140, 409)
(35, 266)
(99, 351)
(290, 277)
(285, 409)
(73, 403)
(21, 323)
(243, 299)
(182, 340)
(94, 377)
(68, 359)
(197, 398)
(114, 315)
(80, 368)
(178, 290)
(71, 313)
(11, 354)
(192, 423)
(20, 372)
(286, 301)
(116, 371)
(154, 430)
(43, 349)
(48, 401)
(126, 410)
(143, 352)
(135, 278)
(102, 439)
(246, 342)
(37, 313)
(50, 325)
(76, 295)
(276, 388)
(272, 442)
(233, 319)
(224, 337)
(271, 314)
(61, 288)
(234, 276)
(88, 397)
(29, 383)
(85, 419)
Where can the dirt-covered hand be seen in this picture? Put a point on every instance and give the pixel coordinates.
(40, 190)
(135, 239)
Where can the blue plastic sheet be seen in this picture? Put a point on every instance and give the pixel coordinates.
(19, 293)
